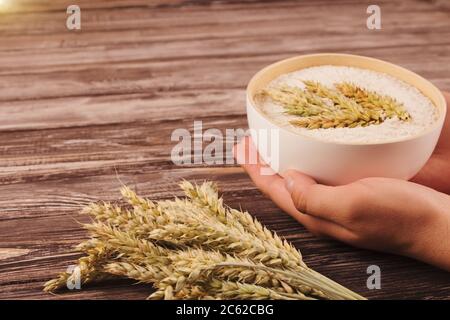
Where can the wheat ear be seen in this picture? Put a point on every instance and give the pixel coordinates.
(191, 263)
(198, 230)
(348, 106)
(145, 252)
(206, 195)
(296, 101)
(97, 253)
(89, 267)
(189, 267)
(374, 101)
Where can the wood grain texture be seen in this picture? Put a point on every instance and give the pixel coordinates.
(81, 110)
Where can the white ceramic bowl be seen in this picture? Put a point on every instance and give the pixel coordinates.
(339, 163)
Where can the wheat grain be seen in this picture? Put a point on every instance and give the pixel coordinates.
(374, 101)
(190, 269)
(206, 195)
(351, 111)
(89, 267)
(126, 243)
(322, 107)
(191, 292)
(145, 252)
(225, 290)
(135, 200)
(209, 236)
(138, 223)
(297, 101)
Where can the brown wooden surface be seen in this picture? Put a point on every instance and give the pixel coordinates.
(80, 109)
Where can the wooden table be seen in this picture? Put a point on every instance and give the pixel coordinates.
(81, 110)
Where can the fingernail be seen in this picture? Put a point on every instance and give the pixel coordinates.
(289, 183)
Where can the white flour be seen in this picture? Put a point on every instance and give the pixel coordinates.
(423, 112)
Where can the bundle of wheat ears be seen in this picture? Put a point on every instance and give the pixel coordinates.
(194, 248)
(347, 105)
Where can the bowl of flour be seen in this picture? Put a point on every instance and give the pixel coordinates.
(340, 117)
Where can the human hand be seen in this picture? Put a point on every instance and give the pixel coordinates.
(374, 213)
(436, 173)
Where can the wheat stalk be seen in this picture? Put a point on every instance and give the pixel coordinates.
(374, 101)
(348, 107)
(145, 217)
(206, 195)
(189, 264)
(305, 281)
(174, 287)
(168, 288)
(225, 290)
(209, 236)
(89, 269)
(128, 244)
(297, 101)
(173, 245)
(321, 107)
(193, 263)
(197, 222)
(97, 253)
(166, 292)
(191, 270)
(197, 262)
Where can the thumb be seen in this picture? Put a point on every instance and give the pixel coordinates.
(298, 185)
(316, 199)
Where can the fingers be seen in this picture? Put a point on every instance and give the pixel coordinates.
(247, 156)
(436, 174)
(329, 203)
(275, 188)
(271, 185)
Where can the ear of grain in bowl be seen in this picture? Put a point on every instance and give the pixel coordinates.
(340, 117)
